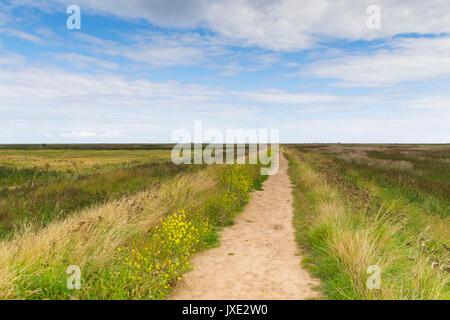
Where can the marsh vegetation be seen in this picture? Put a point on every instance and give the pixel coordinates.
(358, 206)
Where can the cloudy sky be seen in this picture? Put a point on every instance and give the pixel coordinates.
(139, 69)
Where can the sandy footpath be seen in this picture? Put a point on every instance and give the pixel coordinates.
(258, 256)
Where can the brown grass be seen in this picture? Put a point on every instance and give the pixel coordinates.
(361, 157)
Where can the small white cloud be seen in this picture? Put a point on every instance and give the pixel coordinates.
(21, 35)
(47, 33)
(232, 70)
(78, 134)
(90, 134)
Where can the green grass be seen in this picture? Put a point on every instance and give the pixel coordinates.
(347, 219)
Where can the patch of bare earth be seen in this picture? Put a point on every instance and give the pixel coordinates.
(258, 257)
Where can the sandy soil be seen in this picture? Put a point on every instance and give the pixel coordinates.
(258, 257)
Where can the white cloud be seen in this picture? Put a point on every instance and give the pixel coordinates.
(410, 59)
(78, 134)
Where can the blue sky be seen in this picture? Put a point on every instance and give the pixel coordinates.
(137, 70)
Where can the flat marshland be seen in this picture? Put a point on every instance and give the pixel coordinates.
(386, 206)
(131, 220)
(128, 218)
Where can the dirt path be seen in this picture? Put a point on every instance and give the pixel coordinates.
(258, 256)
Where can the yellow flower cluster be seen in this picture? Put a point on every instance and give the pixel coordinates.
(180, 234)
(237, 180)
(166, 254)
(238, 183)
(229, 201)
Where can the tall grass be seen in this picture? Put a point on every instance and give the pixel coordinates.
(344, 229)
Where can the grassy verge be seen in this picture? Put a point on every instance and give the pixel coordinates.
(345, 226)
(133, 248)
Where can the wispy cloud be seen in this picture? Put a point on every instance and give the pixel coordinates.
(407, 60)
(21, 35)
(84, 62)
(55, 86)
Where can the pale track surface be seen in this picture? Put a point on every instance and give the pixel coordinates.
(258, 257)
